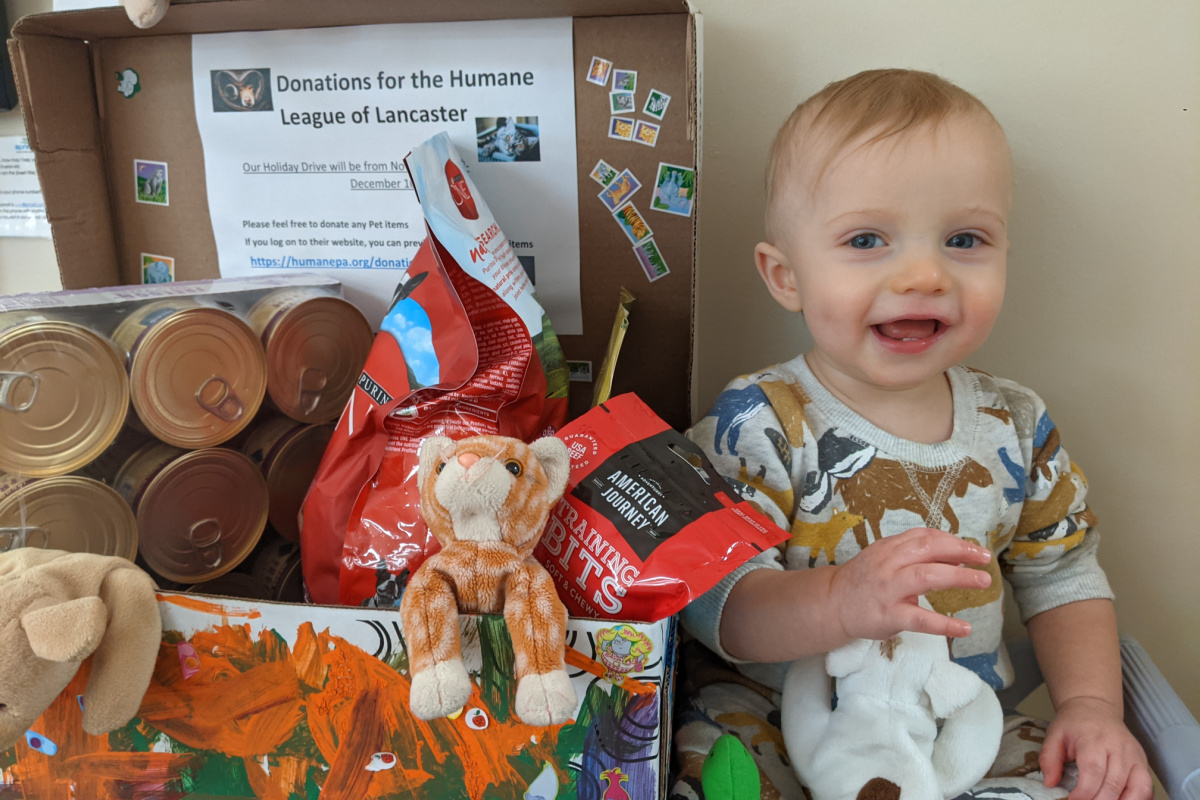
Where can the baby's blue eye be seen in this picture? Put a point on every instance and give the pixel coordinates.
(963, 240)
(866, 241)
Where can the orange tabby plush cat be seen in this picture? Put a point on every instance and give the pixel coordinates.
(486, 499)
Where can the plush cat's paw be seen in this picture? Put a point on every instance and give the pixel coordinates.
(546, 699)
(440, 690)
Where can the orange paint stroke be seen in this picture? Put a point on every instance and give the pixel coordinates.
(148, 767)
(579, 660)
(250, 694)
(206, 607)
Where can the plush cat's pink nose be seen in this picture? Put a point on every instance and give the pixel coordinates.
(467, 459)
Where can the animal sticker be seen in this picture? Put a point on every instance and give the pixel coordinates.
(674, 190)
(633, 223)
(646, 133)
(619, 189)
(241, 89)
(128, 83)
(157, 269)
(651, 259)
(656, 104)
(150, 180)
(599, 71)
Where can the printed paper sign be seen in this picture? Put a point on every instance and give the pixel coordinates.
(305, 134)
(22, 210)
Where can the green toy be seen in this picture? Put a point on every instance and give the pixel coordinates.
(729, 773)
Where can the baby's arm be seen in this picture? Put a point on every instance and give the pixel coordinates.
(1065, 602)
(763, 613)
(772, 615)
(1078, 652)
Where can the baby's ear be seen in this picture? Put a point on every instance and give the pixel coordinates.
(555, 459)
(777, 273)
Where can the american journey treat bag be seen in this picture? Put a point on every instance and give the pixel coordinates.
(646, 524)
(464, 349)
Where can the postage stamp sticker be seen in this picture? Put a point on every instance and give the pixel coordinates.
(599, 71)
(603, 173)
(656, 104)
(580, 371)
(621, 103)
(674, 189)
(653, 264)
(619, 190)
(157, 269)
(646, 133)
(631, 221)
(150, 182)
(624, 80)
(620, 128)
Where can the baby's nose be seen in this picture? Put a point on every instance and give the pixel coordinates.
(467, 459)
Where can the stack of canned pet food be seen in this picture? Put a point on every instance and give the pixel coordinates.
(187, 481)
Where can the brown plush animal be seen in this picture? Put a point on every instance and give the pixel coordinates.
(486, 499)
(56, 609)
(145, 13)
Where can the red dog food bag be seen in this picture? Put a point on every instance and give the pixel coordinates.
(647, 524)
(464, 349)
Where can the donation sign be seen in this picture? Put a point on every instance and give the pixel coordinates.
(22, 210)
(305, 134)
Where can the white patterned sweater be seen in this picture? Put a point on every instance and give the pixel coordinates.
(838, 483)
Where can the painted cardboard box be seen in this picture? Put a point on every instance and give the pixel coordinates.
(264, 700)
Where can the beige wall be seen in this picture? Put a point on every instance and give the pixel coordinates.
(1104, 290)
(1101, 102)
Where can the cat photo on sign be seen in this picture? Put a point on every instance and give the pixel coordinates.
(507, 139)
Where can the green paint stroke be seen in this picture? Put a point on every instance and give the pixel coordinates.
(499, 664)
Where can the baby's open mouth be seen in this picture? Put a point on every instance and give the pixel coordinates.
(910, 330)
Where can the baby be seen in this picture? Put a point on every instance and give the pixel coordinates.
(898, 472)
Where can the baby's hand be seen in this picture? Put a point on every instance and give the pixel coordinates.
(1111, 763)
(875, 593)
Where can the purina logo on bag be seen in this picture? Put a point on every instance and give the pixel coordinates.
(241, 89)
(460, 190)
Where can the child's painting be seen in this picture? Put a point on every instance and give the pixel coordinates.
(294, 702)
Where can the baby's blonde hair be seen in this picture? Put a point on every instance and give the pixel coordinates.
(886, 101)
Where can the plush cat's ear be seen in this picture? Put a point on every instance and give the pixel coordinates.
(552, 454)
(430, 455)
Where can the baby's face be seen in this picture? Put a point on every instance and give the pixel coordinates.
(897, 256)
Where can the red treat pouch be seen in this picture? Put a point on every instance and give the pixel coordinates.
(464, 349)
(647, 524)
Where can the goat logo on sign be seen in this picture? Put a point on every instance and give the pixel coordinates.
(241, 90)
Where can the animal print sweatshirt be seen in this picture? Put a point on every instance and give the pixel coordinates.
(838, 483)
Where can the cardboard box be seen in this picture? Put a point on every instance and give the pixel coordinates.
(84, 139)
(85, 136)
(264, 700)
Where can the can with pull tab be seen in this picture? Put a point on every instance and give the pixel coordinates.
(197, 373)
(63, 394)
(66, 512)
(288, 452)
(316, 344)
(199, 513)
